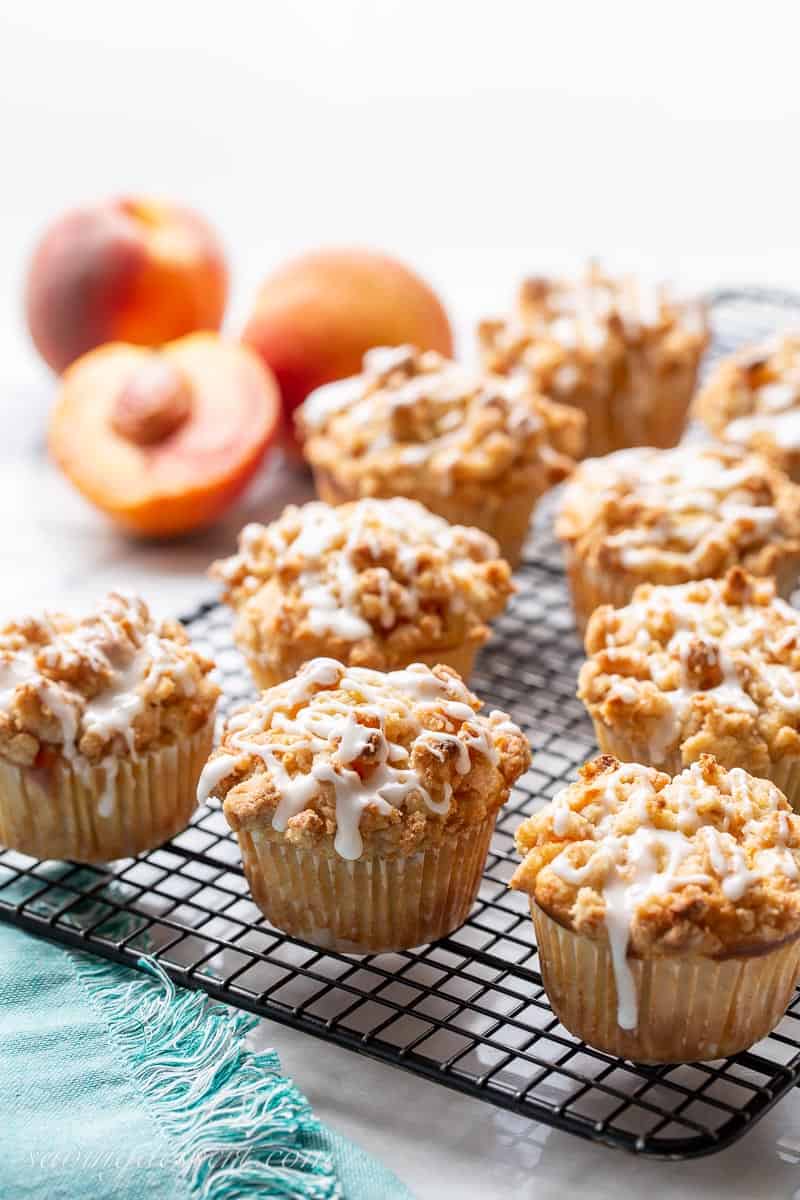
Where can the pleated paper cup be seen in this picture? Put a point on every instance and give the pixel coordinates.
(628, 750)
(590, 587)
(648, 409)
(783, 772)
(506, 518)
(690, 1008)
(461, 658)
(370, 904)
(101, 813)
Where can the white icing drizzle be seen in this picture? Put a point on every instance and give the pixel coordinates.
(740, 640)
(14, 672)
(634, 867)
(338, 732)
(698, 494)
(773, 407)
(324, 544)
(395, 379)
(101, 642)
(213, 773)
(782, 427)
(581, 312)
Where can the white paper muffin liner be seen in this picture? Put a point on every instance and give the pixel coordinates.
(644, 409)
(590, 587)
(369, 904)
(461, 658)
(103, 812)
(690, 1008)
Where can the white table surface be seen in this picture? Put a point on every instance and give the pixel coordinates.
(478, 141)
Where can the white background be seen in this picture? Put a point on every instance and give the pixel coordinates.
(479, 141)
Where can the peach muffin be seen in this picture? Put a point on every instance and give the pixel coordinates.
(667, 911)
(710, 667)
(671, 516)
(623, 352)
(753, 399)
(476, 449)
(364, 802)
(105, 724)
(376, 583)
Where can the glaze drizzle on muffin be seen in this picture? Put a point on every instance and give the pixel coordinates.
(351, 754)
(705, 863)
(684, 514)
(414, 410)
(753, 398)
(115, 683)
(373, 583)
(712, 666)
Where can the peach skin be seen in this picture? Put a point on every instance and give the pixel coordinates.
(316, 316)
(129, 269)
(173, 435)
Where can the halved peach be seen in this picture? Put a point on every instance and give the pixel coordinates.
(164, 440)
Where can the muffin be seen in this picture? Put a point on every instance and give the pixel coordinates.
(671, 516)
(376, 583)
(753, 399)
(699, 668)
(105, 724)
(364, 802)
(626, 354)
(476, 450)
(667, 911)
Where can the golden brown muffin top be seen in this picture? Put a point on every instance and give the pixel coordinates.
(354, 761)
(415, 420)
(753, 398)
(562, 328)
(702, 667)
(369, 582)
(675, 515)
(115, 682)
(705, 863)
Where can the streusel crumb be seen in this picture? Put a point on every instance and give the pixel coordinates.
(370, 583)
(753, 399)
(562, 329)
(707, 862)
(708, 667)
(413, 416)
(682, 514)
(358, 759)
(115, 681)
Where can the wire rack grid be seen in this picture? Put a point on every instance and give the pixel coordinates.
(469, 1011)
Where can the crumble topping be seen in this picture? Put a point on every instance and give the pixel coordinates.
(710, 666)
(562, 328)
(413, 413)
(705, 863)
(356, 757)
(370, 582)
(753, 399)
(687, 513)
(113, 683)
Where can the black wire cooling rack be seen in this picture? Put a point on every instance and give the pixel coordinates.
(468, 1012)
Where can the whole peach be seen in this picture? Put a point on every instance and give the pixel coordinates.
(316, 315)
(128, 269)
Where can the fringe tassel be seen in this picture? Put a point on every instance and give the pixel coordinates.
(240, 1127)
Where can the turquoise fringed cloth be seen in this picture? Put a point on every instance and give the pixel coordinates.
(115, 1084)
